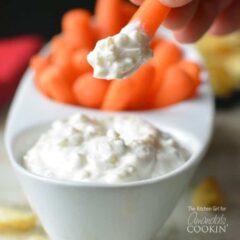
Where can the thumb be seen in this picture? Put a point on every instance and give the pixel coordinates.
(175, 3)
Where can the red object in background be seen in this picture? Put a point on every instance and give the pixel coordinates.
(15, 54)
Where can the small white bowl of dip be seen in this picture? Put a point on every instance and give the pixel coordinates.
(99, 210)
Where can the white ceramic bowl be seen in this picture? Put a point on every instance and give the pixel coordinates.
(131, 211)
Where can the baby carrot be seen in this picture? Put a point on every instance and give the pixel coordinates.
(61, 55)
(130, 93)
(77, 28)
(156, 42)
(60, 50)
(165, 55)
(192, 69)
(38, 63)
(176, 86)
(79, 60)
(128, 9)
(108, 17)
(118, 95)
(58, 43)
(68, 70)
(142, 81)
(151, 14)
(41, 83)
(90, 91)
(54, 84)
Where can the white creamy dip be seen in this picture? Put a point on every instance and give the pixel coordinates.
(119, 56)
(109, 150)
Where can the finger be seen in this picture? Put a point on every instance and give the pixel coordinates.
(201, 22)
(175, 3)
(228, 21)
(179, 17)
(137, 2)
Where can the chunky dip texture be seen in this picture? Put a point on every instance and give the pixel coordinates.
(119, 56)
(109, 150)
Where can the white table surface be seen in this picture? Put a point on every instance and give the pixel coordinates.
(222, 161)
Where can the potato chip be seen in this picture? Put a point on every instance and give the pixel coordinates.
(222, 58)
(220, 45)
(209, 44)
(222, 83)
(12, 219)
(208, 194)
(232, 65)
(37, 237)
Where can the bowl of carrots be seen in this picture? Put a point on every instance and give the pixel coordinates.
(64, 75)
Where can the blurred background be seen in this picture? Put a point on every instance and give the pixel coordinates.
(217, 180)
(41, 17)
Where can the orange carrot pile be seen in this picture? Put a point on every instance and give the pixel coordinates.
(65, 75)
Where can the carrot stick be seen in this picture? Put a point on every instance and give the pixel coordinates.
(108, 17)
(78, 29)
(131, 93)
(90, 91)
(176, 86)
(151, 14)
(80, 62)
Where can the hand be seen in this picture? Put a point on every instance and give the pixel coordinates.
(190, 19)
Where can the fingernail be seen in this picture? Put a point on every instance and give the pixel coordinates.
(175, 3)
